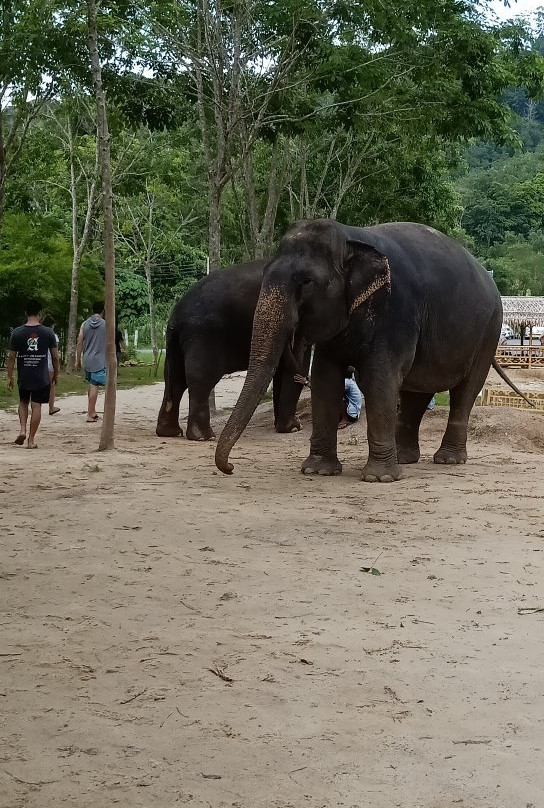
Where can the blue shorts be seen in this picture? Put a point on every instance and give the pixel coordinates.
(98, 377)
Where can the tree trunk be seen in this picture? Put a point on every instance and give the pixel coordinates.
(151, 302)
(71, 337)
(78, 247)
(276, 184)
(214, 248)
(2, 170)
(215, 226)
(152, 321)
(108, 424)
(1, 205)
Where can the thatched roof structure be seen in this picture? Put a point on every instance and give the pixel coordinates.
(523, 310)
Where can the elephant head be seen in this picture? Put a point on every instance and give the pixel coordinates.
(318, 277)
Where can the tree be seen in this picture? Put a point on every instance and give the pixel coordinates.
(272, 81)
(103, 139)
(35, 261)
(34, 51)
(236, 67)
(71, 125)
(143, 236)
(518, 266)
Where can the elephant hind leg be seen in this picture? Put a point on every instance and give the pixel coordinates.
(453, 448)
(205, 368)
(412, 409)
(174, 387)
(198, 420)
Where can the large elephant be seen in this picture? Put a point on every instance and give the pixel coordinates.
(209, 335)
(409, 307)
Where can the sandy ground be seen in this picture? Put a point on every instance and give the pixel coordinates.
(173, 636)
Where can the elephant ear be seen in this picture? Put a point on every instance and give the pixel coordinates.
(367, 271)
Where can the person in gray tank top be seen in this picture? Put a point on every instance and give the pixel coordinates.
(91, 342)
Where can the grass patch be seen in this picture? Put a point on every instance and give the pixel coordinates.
(442, 399)
(75, 384)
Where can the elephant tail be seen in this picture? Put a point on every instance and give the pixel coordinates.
(504, 377)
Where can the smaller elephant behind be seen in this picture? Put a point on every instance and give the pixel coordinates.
(209, 335)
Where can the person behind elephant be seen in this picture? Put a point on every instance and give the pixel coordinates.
(120, 346)
(352, 402)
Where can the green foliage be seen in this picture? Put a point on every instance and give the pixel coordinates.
(370, 103)
(505, 197)
(35, 261)
(518, 266)
(131, 296)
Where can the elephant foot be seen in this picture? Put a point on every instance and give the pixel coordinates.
(200, 433)
(408, 454)
(291, 425)
(320, 464)
(169, 431)
(379, 472)
(450, 457)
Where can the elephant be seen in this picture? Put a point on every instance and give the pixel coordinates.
(408, 306)
(209, 335)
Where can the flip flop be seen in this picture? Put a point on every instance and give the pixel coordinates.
(35, 446)
(54, 411)
(92, 420)
(20, 439)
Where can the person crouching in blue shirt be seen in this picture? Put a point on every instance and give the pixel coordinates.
(353, 400)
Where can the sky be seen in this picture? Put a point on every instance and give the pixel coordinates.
(524, 7)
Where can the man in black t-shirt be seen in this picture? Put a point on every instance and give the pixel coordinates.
(30, 344)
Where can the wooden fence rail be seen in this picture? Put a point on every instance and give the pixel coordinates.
(493, 397)
(520, 356)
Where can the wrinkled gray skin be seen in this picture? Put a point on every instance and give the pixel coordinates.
(409, 307)
(209, 335)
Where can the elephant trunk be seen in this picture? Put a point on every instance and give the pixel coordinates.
(274, 321)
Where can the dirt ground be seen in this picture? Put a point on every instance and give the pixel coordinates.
(171, 636)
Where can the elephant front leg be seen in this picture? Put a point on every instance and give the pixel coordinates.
(381, 416)
(287, 391)
(327, 395)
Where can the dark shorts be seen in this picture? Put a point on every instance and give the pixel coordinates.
(40, 396)
(97, 377)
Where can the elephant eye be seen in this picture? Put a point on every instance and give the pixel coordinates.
(306, 281)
